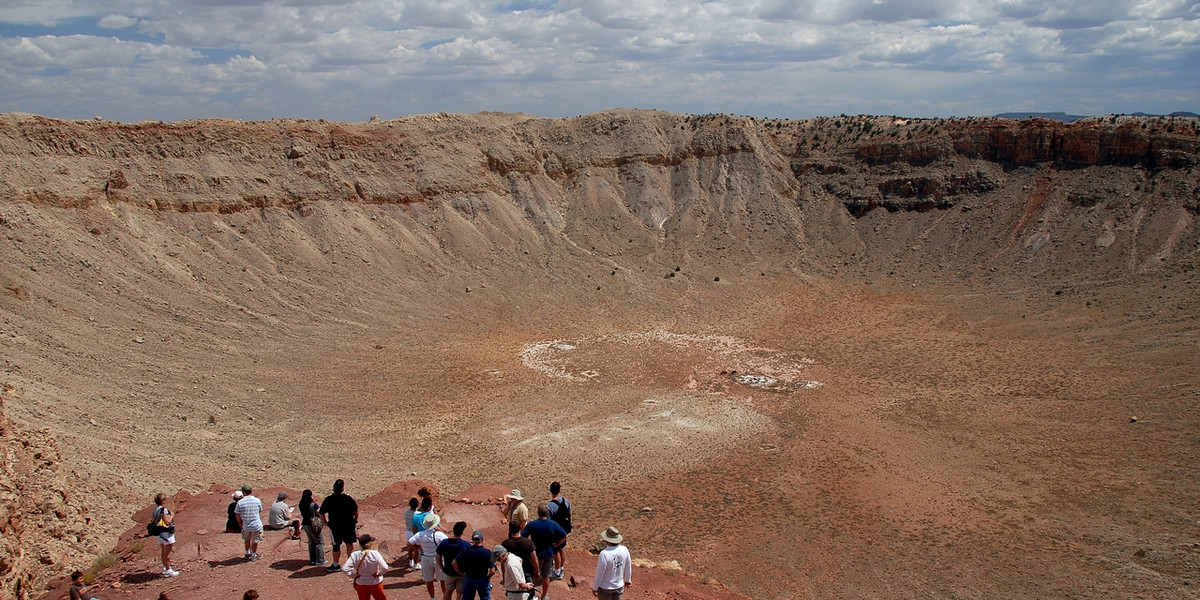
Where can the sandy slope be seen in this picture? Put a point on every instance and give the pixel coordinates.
(492, 298)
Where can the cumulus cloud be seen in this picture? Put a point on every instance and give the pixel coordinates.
(116, 22)
(353, 58)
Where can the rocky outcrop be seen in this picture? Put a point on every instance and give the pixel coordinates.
(1150, 144)
(42, 523)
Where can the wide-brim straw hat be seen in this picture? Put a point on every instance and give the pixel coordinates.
(431, 520)
(611, 535)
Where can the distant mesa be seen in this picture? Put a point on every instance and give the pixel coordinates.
(1064, 117)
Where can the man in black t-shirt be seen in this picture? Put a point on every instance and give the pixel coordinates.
(340, 513)
(523, 548)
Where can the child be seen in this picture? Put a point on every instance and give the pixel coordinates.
(78, 589)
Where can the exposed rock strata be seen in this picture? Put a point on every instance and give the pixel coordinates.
(452, 202)
(43, 523)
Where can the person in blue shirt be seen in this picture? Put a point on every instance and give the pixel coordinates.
(477, 566)
(560, 512)
(447, 551)
(547, 536)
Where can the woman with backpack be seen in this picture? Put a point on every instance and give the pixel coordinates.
(163, 523)
(310, 521)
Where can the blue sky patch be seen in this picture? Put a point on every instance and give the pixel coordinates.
(78, 26)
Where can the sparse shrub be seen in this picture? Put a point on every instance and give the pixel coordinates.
(102, 562)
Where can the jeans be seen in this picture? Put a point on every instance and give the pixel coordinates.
(473, 585)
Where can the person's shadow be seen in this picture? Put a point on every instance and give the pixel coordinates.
(143, 577)
(299, 572)
(229, 562)
(291, 564)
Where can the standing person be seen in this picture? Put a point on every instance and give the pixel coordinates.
(164, 519)
(280, 516)
(514, 509)
(477, 566)
(409, 530)
(512, 575)
(340, 512)
(231, 522)
(522, 548)
(546, 535)
(78, 589)
(560, 512)
(310, 521)
(428, 540)
(447, 551)
(614, 569)
(367, 567)
(425, 509)
(249, 515)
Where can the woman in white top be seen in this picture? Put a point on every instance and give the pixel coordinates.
(367, 567)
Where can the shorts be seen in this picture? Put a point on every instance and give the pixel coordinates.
(430, 570)
(342, 535)
(602, 594)
(546, 565)
(454, 583)
(166, 539)
(252, 536)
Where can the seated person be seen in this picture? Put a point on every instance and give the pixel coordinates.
(78, 589)
(280, 516)
(231, 522)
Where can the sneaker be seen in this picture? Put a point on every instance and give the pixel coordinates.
(556, 574)
(170, 573)
(247, 555)
(333, 567)
(255, 556)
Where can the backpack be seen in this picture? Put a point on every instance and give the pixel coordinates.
(562, 514)
(157, 526)
(315, 520)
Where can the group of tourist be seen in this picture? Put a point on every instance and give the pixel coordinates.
(531, 557)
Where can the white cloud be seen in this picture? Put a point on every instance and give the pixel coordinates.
(116, 22)
(346, 59)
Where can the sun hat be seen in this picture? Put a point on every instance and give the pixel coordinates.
(497, 552)
(237, 494)
(515, 495)
(431, 520)
(246, 489)
(611, 535)
(477, 536)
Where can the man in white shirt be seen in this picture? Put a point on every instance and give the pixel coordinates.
(427, 540)
(614, 569)
(249, 516)
(512, 574)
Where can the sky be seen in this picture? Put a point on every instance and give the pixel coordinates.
(350, 60)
